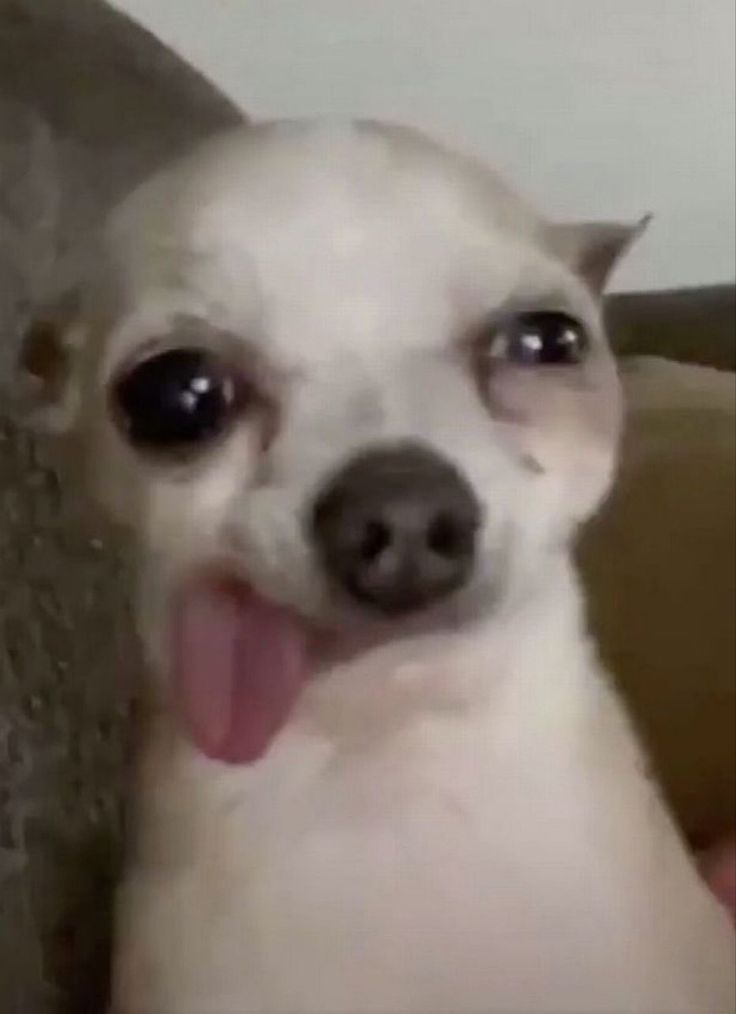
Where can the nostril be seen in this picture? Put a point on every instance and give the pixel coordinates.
(396, 528)
(444, 536)
(376, 538)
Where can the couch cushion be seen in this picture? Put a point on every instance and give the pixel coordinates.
(89, 104)
(660, 568)
(691, 325)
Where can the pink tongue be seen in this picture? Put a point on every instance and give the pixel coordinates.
(240, 663)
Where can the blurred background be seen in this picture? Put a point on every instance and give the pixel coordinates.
(594, 107)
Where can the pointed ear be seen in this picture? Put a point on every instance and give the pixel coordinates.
(593, 249)
(46, 361)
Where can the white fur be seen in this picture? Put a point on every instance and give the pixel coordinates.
(458, 819)
(465, 826)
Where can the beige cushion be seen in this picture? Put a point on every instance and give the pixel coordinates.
(660, 563)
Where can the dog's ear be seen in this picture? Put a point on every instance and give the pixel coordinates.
(47, 361)
(592, 249)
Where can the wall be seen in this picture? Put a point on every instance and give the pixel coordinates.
(595, 107)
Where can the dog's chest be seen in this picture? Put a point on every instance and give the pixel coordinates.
(378, 873)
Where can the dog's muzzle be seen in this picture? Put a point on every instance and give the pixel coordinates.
(396, 528)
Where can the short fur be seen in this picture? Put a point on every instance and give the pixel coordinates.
(457, 816)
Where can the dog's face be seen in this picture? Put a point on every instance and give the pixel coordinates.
(343, 372)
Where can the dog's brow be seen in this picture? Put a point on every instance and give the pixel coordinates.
(192, 330)
(191, 327)
(555, 299)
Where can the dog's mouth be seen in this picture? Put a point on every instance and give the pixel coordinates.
(241, 660)
(240, 663)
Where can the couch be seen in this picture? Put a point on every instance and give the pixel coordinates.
(89, 104)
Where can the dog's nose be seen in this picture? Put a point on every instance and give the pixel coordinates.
(396, 528)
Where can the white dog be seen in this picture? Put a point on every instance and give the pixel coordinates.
(355, 398)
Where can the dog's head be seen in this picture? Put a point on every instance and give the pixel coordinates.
(333, 377)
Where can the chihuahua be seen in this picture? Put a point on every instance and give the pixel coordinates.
(354, 397)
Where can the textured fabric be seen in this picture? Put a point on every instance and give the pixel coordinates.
(63, 730)
(89, 104)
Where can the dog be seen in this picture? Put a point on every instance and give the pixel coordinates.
(354, 397)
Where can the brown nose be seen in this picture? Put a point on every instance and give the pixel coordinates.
(396, 528)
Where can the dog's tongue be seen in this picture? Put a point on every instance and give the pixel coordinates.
(240, 663)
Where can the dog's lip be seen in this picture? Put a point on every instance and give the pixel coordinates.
(345, 635)
(227, 574)
(347, 632)
(230, 574)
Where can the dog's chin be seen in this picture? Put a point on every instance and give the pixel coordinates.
(241, 660)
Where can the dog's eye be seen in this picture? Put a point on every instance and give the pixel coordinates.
(176, 400)
(538, 338)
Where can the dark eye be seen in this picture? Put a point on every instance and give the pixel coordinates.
(176, 400)
(539, 338)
